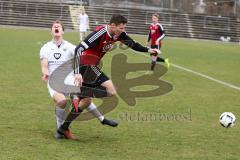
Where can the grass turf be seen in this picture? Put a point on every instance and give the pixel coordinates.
(27, 114)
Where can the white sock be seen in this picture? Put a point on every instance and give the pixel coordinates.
(60, 115)
(93, 109)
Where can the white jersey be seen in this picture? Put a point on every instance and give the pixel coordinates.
(57, 55)
(83, 22)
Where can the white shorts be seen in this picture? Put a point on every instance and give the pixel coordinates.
(51, 91)
(69, 80)
(83, 28)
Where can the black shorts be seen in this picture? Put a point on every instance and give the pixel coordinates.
(92, 76)
(156, 46)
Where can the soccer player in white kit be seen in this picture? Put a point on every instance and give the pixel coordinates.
(52, 55)
(83, 24)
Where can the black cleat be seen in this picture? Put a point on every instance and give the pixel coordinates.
(111, 123)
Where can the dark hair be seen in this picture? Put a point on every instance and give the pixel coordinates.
(155, 15)
(118, 19)
(59, 22)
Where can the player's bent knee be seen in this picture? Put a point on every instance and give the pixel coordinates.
(61, 103)
(60, 99)
(85, 102)
(112, 92)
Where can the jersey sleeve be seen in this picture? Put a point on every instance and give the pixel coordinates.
(43, 52)
(90, 41)
(149, 36)
(162, 32)
(125, 39)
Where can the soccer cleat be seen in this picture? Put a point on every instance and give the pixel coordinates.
(167, 62)
(66, 133)
(109, 122)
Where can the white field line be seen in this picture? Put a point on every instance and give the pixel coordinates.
(202, 75)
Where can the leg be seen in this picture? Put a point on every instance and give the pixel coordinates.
(166, 61)
(93, 109)
(159, 59)
(60, 103)
(60, 110)
(64, 128)
(111, 91)
(109, 87)
(154, 59)
(84, 103)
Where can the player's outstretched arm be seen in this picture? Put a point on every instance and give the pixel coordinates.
(135, 45)
(128, 41)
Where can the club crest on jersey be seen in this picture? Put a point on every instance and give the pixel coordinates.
(107, 47)
(57, 55)
(153, 31)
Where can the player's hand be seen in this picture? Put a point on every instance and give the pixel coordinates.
(78, 80)
(45, 77)
(154, 51)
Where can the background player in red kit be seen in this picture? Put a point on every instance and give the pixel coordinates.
(89, 53)
(156, 35)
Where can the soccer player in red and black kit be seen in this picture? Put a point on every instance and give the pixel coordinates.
(156, 35)
(89, 53)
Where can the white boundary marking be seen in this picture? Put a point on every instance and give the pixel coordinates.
(202, 75)
(207, 77)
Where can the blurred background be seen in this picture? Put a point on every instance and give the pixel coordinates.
(201, 19)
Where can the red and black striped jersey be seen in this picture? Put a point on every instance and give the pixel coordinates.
(156, 34)
(98, 43)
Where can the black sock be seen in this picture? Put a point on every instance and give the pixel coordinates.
(159, 59)
(71, 116)
(153, 65)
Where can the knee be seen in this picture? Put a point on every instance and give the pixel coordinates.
(85, 102)
(112, 92)
(61, 103)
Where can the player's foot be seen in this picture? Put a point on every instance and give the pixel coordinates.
(109, 122)
(167, 62)
(66, 133)
(58, 135)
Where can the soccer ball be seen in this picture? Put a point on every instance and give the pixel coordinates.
(227, 119)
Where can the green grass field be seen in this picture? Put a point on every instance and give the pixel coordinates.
(27, 120)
